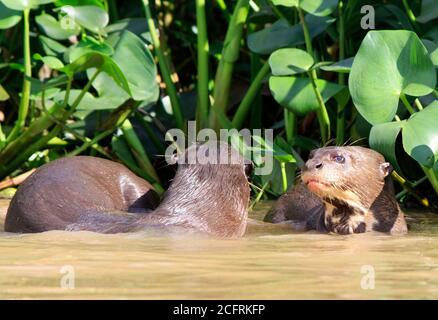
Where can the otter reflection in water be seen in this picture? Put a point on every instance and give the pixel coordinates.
(87, 193)
(343, 190)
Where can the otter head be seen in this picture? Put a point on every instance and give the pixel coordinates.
(210, 191)
(351, 175)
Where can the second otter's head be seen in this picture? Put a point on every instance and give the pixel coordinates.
(210, 189)
(353, 175)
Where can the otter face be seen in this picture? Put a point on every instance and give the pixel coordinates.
(354, 175)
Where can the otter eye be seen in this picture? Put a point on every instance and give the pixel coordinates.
(339, 159)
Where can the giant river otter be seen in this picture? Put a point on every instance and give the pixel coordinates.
(87, 193)
(343, 190)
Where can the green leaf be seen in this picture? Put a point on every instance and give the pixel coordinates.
(20, 5)
(51, 62)
(315, 7)
(88, 45)
(54, 28)
(139, 70)
(420, 135)
(51, 47)
(280, 34)
(76, 3)
(290, 61)
(387, 64)
(92, 18)
(432, 48)
(429, 11)
(98, 61)
(8, 17)
(297, 94)
(383, 138)
(343, 66)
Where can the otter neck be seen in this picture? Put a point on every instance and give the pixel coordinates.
(199, 200)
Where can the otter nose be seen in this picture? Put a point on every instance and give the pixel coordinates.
(311, 165)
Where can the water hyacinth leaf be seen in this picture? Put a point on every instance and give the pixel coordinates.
(290, 61)
(98, 61)
(55, 29)
(383, 138)
(92, 18)
(420, 135)
(280, 34)
(50, 61)
(297, 94)
(136, 61)
(21, 5)
(387, 64)
(315, 7)
(8, 17)
(429, 11)
(343, 66)
(318, 7)
(135, 25)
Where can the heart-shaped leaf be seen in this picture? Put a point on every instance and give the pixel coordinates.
(290, 61)
(280, 34)
(388, 64)
(297, 94)
(140, 70)
(420, 135)
(8, 17)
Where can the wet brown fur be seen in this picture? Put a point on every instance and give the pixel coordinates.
(87, 193)
(354, 197)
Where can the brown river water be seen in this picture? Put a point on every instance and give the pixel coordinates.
(268, 263)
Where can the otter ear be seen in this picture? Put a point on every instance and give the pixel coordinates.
(385, 169)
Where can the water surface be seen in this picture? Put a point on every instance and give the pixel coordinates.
(269, 263)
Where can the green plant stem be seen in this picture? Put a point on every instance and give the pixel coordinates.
(411, 16)
(41, 124)
(113, 12)
(203, 51)
(406, 103)
(323, 118)
(418, 104)
(23, 108)
(138, 150)
(151, 134)
(259, 196)
(230, 54)
(283, 176)
(430, 174)
(290, 125)
(245, 105)
(409, 187)
(165, 72)
(222, 5)
(340, 121)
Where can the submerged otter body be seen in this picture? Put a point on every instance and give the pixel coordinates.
(343, 190)
(86, 193)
